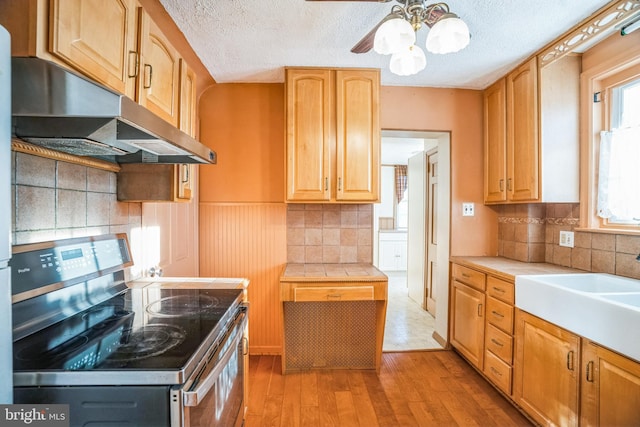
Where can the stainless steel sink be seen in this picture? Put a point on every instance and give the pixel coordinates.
(601, 307)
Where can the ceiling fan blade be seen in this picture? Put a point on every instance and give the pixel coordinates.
(376, 1)
(366, 43)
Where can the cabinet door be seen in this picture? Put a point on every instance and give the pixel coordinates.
(610, 393)
(546, 371)
(309, 134)
(495, 133)
(159, 80)
(188, 105)
(467, 329)
(98, 38)
(522, 133)
(357, 135)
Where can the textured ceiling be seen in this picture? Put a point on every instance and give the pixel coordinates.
(252, 40)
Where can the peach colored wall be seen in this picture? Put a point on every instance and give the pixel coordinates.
(458, 111)
(243, 216)
(244, 125)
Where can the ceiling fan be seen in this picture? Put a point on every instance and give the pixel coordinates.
(395, 34)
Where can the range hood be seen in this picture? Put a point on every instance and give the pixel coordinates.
(60, 110)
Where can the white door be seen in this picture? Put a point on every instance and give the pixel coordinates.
(416, 186)
(432, 229)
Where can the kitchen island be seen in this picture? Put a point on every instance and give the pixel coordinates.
(334, 316)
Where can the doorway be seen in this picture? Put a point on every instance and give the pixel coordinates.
(409, 224)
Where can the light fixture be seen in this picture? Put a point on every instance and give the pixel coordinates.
(396, 34)
(407, 62)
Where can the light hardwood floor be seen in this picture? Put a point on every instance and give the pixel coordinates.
(423, 388)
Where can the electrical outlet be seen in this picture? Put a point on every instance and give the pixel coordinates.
(566, 239)
(467, 209)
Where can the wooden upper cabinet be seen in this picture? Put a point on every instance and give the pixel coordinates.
(98, 38)
(333, 135)
(357, 134)
(159, 76)
(309, 96)
(495, 142)
(188, 101)
(94, 37)
(522, 133)
(531, 134)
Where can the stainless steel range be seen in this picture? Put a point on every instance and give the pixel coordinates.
(151, 355)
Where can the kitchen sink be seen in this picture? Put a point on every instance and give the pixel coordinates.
(598, 306)
(589, 282)
(632, 300)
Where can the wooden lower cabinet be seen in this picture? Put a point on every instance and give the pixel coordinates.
(333, 316)
(547, 366)
(610, 388)
(467, 329)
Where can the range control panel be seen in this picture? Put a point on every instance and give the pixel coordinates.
(67, 261)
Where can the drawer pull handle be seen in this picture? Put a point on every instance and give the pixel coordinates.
(495, 313)
(499, 290)
(494, 371)
(334, 296)
(590, 371)
(146, 85)
(570, 360)
(479, 310)
(134, 61)
(466, 276)
(496, 342)
(501, 185)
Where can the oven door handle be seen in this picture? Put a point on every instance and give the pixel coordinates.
(195, 397)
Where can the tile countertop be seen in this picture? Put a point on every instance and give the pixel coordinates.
(331, 273)
(508, 269)
(189, 283)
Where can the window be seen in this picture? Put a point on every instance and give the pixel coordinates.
(619, 154)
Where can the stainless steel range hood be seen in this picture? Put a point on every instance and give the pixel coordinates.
(58, 109)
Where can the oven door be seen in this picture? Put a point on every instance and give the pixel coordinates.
(214, 396)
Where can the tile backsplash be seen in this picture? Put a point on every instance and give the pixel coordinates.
(329, 233)
(531, 233)
(54, 199)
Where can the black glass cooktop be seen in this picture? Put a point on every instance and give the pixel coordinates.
(139, 329)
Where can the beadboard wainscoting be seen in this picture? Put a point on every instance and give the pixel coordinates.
(249, 240)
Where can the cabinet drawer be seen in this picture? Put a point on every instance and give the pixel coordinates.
(468, 276)
(499, 343)
(343, 293)
(498, 372)
(501, 289)
(500, 314)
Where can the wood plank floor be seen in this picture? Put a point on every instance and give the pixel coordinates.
(422, 388)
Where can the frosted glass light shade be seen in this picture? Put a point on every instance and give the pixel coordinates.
(393, 36)
(448, 35)
(410, 61)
